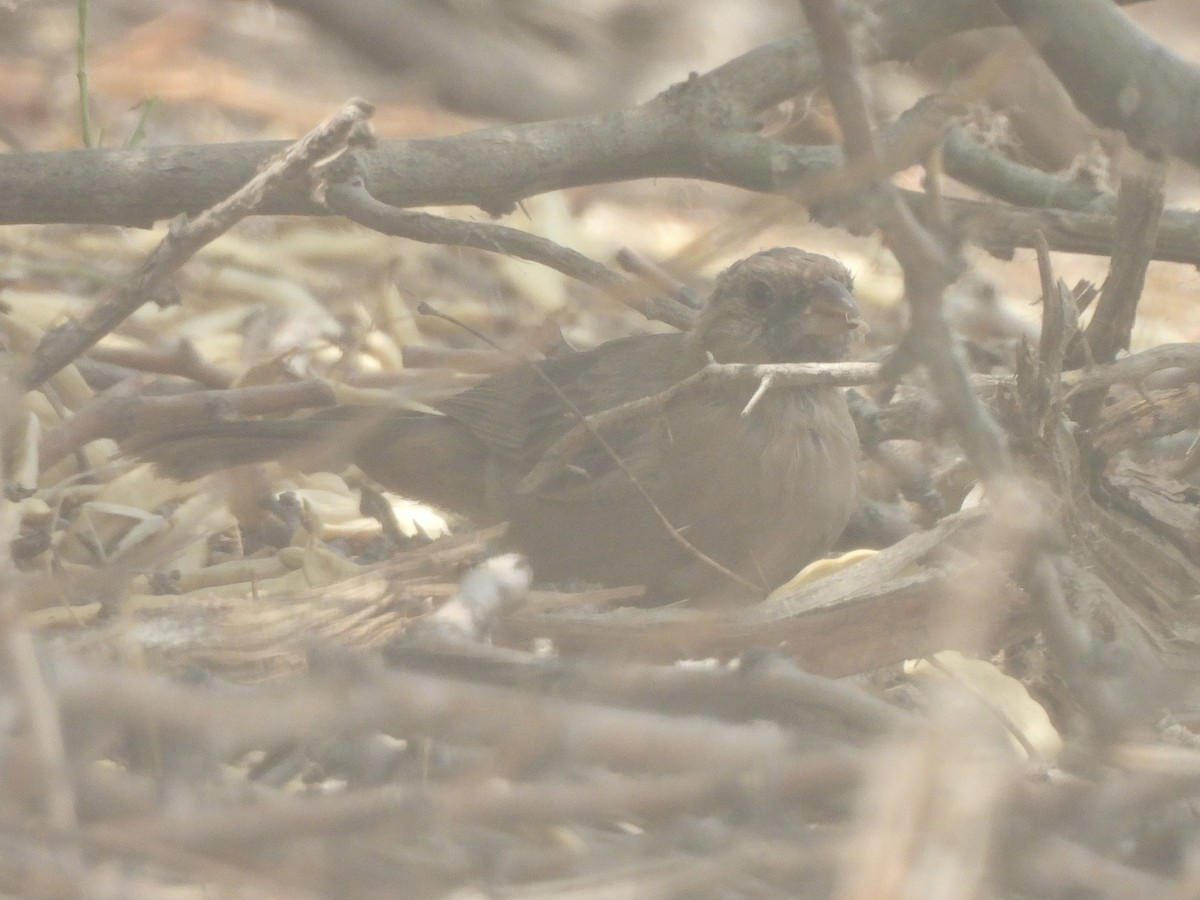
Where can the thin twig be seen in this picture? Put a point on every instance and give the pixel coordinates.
(637, 265)
(81, 74)
(180, 358)
(44, 723)
(1139, 212)
(559, 454)
(1136, 367)
(184, 238)
(121, 412)
(347, 195)
(759, 393)
(928, 268)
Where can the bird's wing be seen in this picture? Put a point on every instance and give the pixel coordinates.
(517, 415)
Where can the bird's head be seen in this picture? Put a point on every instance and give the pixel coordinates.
(780, 305)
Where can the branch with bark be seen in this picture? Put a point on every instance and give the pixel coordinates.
(703, 128)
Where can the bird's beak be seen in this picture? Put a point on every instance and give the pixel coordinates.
(832, 310)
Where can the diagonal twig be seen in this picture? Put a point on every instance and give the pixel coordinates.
(928, 268)
(184, 238)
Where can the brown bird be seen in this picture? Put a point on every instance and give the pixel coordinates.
(762, 493)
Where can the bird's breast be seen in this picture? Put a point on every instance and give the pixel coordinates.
(784, 441)
(783, 475)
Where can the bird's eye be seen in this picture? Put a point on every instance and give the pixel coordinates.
(758, 295)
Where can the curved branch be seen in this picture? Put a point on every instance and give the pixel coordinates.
(350, 198)
(981, 167)
(494, 167)
(1117, 74)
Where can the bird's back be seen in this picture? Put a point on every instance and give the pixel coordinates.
(518, 414)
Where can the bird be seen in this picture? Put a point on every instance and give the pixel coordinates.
(707, 477)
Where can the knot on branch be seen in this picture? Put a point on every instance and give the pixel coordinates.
(704, 106)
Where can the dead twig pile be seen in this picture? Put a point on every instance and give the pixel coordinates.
(286, 684)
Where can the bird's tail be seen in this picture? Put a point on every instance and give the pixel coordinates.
(191, 451)
(432, 458)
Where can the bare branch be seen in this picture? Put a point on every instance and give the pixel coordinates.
(120, 412)
(1139, 210)
(62, 345)
(349, 197)
(927, 267)
(1116, 73)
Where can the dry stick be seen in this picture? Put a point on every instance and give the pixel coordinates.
(1116, 74)
(120, 412)
(905, 141)
(636, 264)
(45, 724)
(1139, 212)
(927, 269)
(1086, 663)
(353, 702)
(60, 347)
(181, 359)
(1129, 370)
(490, 168)
(902, 143)
(1000, 229)
(612, 454)
(416, 809)
(985, 168)
(1039, 379)
(775, 690)
(1139, 418)
(1053, 337)
(559, 454)
(1136, 367)
(348, 196)
(749, 83)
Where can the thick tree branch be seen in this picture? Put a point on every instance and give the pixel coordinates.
(699, 129)
(1116, 73)
(670, 135)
